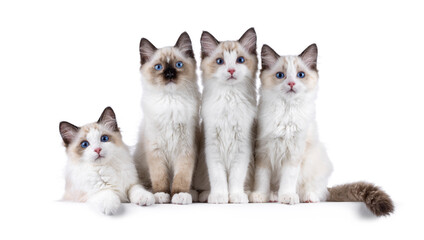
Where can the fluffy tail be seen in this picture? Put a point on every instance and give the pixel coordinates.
(377, 201)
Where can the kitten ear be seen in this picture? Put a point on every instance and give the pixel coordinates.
(248, 40)
(68, 132)
(147, 49)
(309, 56)
(108, 119)
(184, 44)
(269, 57)
(208, 44)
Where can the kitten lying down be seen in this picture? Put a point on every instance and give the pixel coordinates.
(100, 169)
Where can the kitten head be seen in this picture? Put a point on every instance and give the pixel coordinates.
(93, 142)
(292, 76)
(168, 67)
(229, 62)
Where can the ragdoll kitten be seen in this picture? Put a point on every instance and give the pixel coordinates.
(228, 111)
(167, 148)
(292, 165)
(100, 169)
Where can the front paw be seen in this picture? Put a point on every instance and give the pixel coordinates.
(182, 198)
(258, 197)
(218, 198)
(142, 198)
(238, 198)
(288, 198)
(107, 203)
(161, 197)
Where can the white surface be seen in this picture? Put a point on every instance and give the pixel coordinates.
(67, 61)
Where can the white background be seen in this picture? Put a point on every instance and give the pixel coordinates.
(69, 60)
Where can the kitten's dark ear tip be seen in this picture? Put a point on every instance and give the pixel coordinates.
(109, 112)
(61, 125)
(109, 108)
(145, 42)
(252, 29)
(108, 118)
(265, 47)
(204, 33)
(313, 47)
(67, 131)
(142, 41)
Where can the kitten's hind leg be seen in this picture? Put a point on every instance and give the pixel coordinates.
(106, 201)
(140, 196)
(194, 195)
(183, 176)
(159, 176)
(315, 172)
(203, 196)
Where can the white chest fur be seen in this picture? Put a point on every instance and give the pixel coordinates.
(116, 175)
(284, 127)
(170, 119)
(228, 116)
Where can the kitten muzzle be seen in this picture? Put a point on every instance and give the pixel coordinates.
(170, 74)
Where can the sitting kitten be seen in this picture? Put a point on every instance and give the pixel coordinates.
(291, 163)
(228, 112)
(100, 169)
(167, 147)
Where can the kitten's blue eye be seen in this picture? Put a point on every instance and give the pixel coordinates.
(240, 60)
(104, 138)
(158, 67)
(279, 75)
(179, 64)
(219, 61)
(85, 144)
(300, 74)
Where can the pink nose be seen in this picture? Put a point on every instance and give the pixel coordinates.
(291, 84)
(97, 150)
(231, 71)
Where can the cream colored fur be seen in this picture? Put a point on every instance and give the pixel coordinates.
(292, 165)
(228, 113)
(167, 147)
(104, 179)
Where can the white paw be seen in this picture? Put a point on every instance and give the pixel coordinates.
(142, 198)
(218, 198)
(238, 198)
(203, 196)
(194, 195)
(258, 197)
(107, 203)
(273, 197)
(182, 198)
(310, 198)
(161, 197)
(288, 198)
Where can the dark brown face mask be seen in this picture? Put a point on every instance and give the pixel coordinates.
(170, 74)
